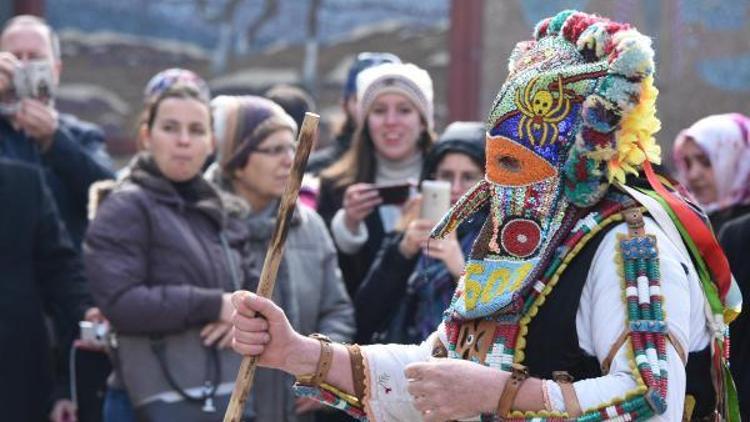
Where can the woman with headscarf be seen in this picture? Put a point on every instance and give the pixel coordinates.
(257, 144)
(713, 161)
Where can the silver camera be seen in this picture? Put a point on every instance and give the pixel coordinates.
(33, 79)
(94, 332)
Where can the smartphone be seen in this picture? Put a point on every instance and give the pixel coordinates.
(394, 193)
(436, 199)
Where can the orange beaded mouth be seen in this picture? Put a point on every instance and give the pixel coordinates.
(511, 164)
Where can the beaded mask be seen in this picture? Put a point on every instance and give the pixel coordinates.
(576, 112)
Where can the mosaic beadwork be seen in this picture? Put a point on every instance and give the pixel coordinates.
(521, 237)
(520, 232)
(581, 96)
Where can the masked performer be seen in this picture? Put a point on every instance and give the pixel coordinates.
(594, 291)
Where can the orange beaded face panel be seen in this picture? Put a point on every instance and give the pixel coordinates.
(510, 164)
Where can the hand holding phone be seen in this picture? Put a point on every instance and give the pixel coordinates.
(359, 201)
(416, 235)
(394, 193)
(436, 199)
(93, 334)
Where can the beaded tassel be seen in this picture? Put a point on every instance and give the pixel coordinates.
(648, 330)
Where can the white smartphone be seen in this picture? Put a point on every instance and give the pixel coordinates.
(436, 199)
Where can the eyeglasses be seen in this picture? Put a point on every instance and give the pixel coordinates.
(277, 150)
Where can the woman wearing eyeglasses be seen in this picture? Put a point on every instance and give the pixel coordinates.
(412, 280)
(256, 153)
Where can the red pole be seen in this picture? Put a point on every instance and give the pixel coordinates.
(29, 7)
(464, 70)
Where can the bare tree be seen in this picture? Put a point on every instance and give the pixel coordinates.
(310, 64)
(224, 17)
(270, 10)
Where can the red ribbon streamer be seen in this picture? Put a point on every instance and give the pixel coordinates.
(703, 237)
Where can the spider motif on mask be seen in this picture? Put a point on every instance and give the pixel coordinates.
(541, 112)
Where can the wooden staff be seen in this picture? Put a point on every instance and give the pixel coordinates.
(273, 257)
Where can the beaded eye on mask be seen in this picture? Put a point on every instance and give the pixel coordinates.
(576, 112)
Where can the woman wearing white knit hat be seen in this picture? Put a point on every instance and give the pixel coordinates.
(395, 111)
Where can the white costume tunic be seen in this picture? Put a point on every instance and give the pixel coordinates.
(600, 321)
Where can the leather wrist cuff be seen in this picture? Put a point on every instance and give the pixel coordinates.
(358, 370)
(324, 362)
(518, 375)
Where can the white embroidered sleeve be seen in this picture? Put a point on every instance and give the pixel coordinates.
(387, 398)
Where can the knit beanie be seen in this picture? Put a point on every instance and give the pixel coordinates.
(165, 79)
(294, 100)
(408, 80)
(466, 138)
(242, 123)
(363, 61)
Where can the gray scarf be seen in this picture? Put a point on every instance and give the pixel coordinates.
(260, 227)
(276, 395)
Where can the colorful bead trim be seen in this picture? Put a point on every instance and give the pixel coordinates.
(332, 397)
(466, 206)
(607, 212)
(640, 268)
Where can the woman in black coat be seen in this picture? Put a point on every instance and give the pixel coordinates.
(412, 280)
(735, 239)
(395, 132)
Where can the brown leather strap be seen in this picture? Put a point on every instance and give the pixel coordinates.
(325, 361)
(678, 347)
(607, 362)
(634, 218)
(518, 375)
(358, 370)
(565, 381)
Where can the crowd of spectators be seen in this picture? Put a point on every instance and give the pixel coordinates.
(153, 251)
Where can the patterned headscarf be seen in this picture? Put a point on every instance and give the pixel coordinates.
(724, 139)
